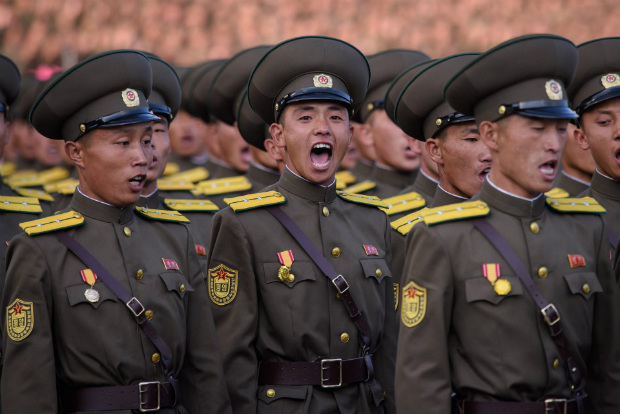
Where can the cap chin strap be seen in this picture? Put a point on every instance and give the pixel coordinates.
(541, 108)
(159, 109)
(115, 118)
(309, 94)
(598, 97)
(450, 119)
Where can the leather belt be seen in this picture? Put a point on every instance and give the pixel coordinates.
(328, 372)
(146, 397)
(548, 406)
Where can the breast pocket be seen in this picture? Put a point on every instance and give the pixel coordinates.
(480, 289)
(376, 269)
(584, 284)
(176, 282)
(282, 399)
(99, 293)
(300, 271)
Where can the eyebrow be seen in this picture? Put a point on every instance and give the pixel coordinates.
(472, 130)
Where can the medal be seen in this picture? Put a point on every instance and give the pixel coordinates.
(492, 272)
(284, 272)
(502, 287)
(88, 276)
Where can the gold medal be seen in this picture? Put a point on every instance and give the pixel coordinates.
(502, 287)
(284, 272)
(92, 295)
(285, 275)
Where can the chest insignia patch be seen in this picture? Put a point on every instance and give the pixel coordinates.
(200, 250)
(19, 320)
(413, 304)
(576, 260)
(170, 264)
(222, 284)
(370, 250)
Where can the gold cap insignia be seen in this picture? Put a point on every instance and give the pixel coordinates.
(130, 97)
(554, 90)
(323, 81)
(610, 80)
(19, 319)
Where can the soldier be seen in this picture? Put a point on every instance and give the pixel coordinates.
(509, 301)
(289, 343)
(596, 98)
(578, 166)
(132, 329)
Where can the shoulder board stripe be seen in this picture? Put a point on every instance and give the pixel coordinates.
(576, 205)
(252, 201)
(557, 192)
(162, 215)
(361, 187)
(403, 202)
(224, 185)
(29, 192)
(58, 185)
(361, 199)
(190, 204)
(20, 204)
(344, 178)
(7, 168)
(38, 179)
(404, 224)
(194, 175)
(173, 185)
(52, 223)
(458, 211)
(171, 168)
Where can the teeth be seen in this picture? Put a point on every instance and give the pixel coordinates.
(317, 146)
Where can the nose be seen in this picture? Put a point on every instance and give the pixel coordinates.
(485, 152)
(322, 125)
(555, 140)
(142, 156)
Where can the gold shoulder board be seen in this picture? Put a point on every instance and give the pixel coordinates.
(162, 215)
(403, 202)
(20, 204)
(224, 185)
(194, 175)
(29, 192)
(361, 199)
(7, 168)
(56, 186)
(38, 179)
(454, 212)
(252, 201)
(181, 204)
(171, 168)
(404, 224)
(174, 185)
(344, 178)
(575, 205)
(361, 187)
(557, 192)
(53, 223)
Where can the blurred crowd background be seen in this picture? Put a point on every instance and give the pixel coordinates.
(185, 32)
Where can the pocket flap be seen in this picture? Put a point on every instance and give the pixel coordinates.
(176, 282)
(271, 393)
(376, 268)
(299, 269)
(585, 284)
(480, 288)
(76, 294)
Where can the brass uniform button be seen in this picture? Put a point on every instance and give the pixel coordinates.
(379, 273)
(271, 393)
(336, 251)
(556, 363)
(585, 288)
(139, 274)
(534, 227)
(127, 231)
(325, 211)
(543, 272)
(384, 394)
(155, 358)
(77, 215)
(337, 296)
(149, 314)
(344, 338)
(182, 288)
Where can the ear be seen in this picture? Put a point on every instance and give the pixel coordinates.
(75, 152)
(365, 136)
(489, 134)
(579, 135)
(277, 133)
(433, 147)
(272, 150)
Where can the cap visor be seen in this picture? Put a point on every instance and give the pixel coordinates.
(131, 119)
(558, 112)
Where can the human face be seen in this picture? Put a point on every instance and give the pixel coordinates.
(112, 162)
(233, 149)
(363, 142)
(463, 159)
(160, 143)
(24, 139)
(186, 135)
(601, 134)
(316, 136)
(49, 151)
(525, 151)
(263, 159)
(427, 164)
(350, 157)
(576, 161)
(392, 144)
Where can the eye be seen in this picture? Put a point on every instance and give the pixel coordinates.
(305, 118)
(123, 142)
(471, 139)
(337, 117)
(603, 122)
(147, 141)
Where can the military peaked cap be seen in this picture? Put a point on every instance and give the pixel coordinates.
(398, 84)
(9, 82)
(251, 126)
(165, 97)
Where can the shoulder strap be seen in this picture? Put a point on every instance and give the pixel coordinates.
(132, 303)
(549, 312)
(328, 270)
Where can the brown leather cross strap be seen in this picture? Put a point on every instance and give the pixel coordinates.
(328, 373)
(549, 312)
(145, 397)
(549, 406)
(328, 270)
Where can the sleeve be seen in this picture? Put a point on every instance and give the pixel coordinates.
(29, 374)
(603, 376)
(203, 387)
(234, 299)
(423, 383)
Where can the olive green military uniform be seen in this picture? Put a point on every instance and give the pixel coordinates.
(607, 192)
(390, 182)
(572, 185)
(261, 177)
(362, 170)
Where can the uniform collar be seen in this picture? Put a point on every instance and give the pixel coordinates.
(150, 201)
(425, 185)
(443, 198)
(100, 211)
(262, 176)
(362, 169)
(392, 178)
(510, 203)
(573, 185)
(220, 169)
(605, 185)
(300, 187)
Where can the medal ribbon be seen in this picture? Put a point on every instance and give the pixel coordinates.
(286, 258)
(88, 276)
(491, 272)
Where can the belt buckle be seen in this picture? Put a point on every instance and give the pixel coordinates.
(142, 390)
(551, 314)
(338, 287)
(141, 310)
(323, 368)
(556, 406)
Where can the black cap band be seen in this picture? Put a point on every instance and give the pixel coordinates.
(556, 109)
(451, 119)
(313, 94)
(599, 97)
(161, 110)
(128, 116)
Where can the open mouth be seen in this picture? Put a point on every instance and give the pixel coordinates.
(618, 155)
(321, 155)
(137, 180)
(484, 173)
(245, 154)
(410, 153)
(548, 169)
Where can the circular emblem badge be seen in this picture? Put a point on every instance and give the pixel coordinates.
(554, 90)
(130, 98)
(323, 81)
(91, 295)
(610, 80)
(502, 287)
